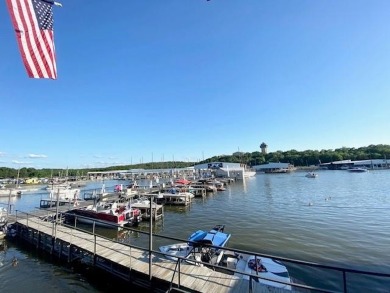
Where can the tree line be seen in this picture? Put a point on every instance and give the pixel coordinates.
(309, 157)
(294, 157)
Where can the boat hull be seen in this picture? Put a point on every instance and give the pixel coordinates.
(269, 271)
(103, 219)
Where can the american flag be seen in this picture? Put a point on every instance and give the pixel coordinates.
(33, 24)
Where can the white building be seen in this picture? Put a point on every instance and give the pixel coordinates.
(346, 164)
(274, 168)
(221, 169)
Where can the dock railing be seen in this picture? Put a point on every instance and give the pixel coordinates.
(9, 207)
(56, 222)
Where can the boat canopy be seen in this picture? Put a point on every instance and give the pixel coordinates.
(213, 237)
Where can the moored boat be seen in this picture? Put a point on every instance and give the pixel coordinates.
(57, 186)
(202, 246)
(311, 175)
(105, 214)
(358, 170)
(6, 192)
(175, 196)
(61, 197)
(264, 270)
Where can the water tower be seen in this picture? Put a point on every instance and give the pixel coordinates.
(263, 147)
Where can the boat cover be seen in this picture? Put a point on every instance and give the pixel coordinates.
(211, 238)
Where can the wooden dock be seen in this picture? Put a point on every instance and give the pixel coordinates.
(131, 263)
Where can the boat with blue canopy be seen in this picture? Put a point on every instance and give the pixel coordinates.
(202, 246)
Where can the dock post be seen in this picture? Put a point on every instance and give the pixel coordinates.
(150, 238)
(344, 282)
(130, 263)
(69, 252)
(94, 247)
(52, 238)
(178, 277)
(39, 239)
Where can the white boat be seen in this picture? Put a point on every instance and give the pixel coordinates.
(5, 192)
(358, 170)
(8, 192)
(311, 175)
(219, 186)
(57, 186)
(62, 196)
(176, 196)
(3, 222)
(144, 207)
(264, 270)
(65, 193)
(200, 247)
(3, 217)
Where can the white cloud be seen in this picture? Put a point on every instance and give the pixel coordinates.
(36, 156)
(21, 163)
(2, 154)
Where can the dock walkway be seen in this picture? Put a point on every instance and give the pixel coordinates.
(129, 262)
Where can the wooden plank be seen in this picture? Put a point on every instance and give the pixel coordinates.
(163, 271)
(140, 266)
(217, 277)
(187, 273)
(196, 278)
(217, 282)
(201, 275)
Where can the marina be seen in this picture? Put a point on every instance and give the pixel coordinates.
(319, 233)
(240, 146)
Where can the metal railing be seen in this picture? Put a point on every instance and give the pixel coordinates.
(150, 252)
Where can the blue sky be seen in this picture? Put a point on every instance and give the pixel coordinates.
(141, 81)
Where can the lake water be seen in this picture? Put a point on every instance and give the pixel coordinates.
(338, 218)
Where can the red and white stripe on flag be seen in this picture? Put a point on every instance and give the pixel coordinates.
(35, 38)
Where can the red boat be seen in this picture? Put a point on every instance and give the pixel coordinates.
(106, 214)
(183, 181)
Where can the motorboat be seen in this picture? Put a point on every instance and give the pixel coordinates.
(61, 197)
(216, 185)
(358, 170)
(57, 186)
(175, 196)
(7, 192)
(264, 270)
(106, 214)
(311, 175)
(202, 246)
(144, 207)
